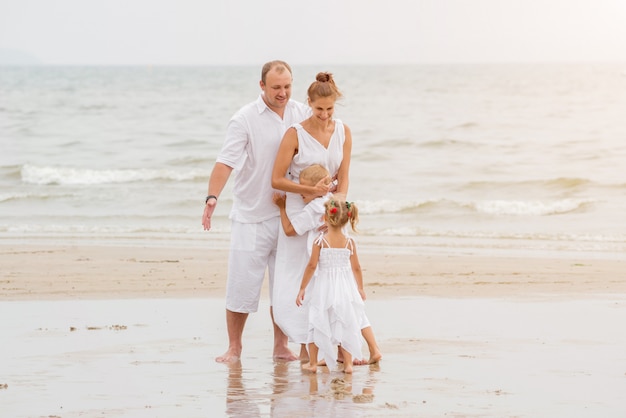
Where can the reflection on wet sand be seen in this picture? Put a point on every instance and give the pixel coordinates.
(294, 393)
(323, 393)
(238, 403)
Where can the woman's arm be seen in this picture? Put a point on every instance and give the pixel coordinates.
(343, 174)
(287, 150)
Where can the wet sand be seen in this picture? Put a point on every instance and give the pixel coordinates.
(132, 332)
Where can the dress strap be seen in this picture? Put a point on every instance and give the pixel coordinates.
(321, 241)
(350, 245)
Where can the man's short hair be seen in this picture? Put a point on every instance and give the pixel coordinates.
(280, 66)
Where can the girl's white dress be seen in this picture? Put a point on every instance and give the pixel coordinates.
(336, 310)
(292, 253)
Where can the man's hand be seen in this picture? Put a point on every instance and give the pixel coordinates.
(208, 212)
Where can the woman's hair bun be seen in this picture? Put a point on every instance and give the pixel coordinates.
(324, 77)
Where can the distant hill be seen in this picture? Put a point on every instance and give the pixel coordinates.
(16, 57)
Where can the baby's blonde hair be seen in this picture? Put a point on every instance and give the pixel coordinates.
(339, 212)
(313, 174)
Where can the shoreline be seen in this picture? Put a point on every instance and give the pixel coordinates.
(132, 331)
(45, 271)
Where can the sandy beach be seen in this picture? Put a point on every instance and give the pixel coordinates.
(131, 331)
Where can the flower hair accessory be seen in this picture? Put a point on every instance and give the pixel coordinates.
(348, 205)
(334, 206)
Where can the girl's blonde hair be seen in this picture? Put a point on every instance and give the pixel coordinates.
(340, 212)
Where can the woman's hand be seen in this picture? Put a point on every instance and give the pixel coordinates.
(322, 187)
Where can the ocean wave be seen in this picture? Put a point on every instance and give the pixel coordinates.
(112, 230)
(6, 197)
(533, 208)
(392, 206)
(11, 172)
(466, 125)
(43, 175)
(448, 142)
(489, 207)
(41, 195)
(420, 232)
(554, 183)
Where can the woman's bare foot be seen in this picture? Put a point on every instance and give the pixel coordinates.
(304, 354)
(284, 354)
(309, 368)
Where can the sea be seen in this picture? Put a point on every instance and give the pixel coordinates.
(455, 158)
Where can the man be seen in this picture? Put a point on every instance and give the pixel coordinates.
(252, 139)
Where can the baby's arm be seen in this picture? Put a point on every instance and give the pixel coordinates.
(279, 200)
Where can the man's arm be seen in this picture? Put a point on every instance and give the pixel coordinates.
(217, 181)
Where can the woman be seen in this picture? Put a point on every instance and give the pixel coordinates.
(320, 139)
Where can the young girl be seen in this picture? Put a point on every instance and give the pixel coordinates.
(308, 222)
(335, 299)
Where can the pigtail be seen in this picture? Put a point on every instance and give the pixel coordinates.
(340, 212)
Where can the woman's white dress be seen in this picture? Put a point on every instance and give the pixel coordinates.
(292, 253)
(336, 309)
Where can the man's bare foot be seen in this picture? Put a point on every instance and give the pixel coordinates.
(284, 354)
(228, 357)
(309, 368)
(375, 357)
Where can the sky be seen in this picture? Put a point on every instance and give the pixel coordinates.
(249, 32)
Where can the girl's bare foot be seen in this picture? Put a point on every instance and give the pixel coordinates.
(375, 357)
(347, 368)
(309, 368)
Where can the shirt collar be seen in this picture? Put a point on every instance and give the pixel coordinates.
(261, 106)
